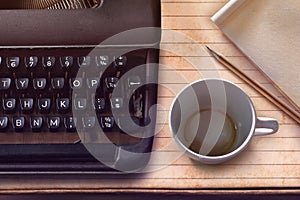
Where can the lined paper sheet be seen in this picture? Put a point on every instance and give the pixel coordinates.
(269, 161)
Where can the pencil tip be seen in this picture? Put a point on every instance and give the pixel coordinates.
(208, 48)
(215, 54)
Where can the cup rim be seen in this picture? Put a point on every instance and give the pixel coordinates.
(220, 158)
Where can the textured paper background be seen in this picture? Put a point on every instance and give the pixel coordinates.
(269, 162)
(267, 31)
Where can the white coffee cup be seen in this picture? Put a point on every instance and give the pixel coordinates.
(214, 120)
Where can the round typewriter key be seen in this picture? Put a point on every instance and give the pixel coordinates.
(12, 62)
(31, 61)
(5, 83)
(18, 123)
(36, 123)
(53, 123)
(3, 123)
(70, 123)
(111, 82)
(26, 104)
(49, 61)
(9, 105)
(58, 83)
(76, 83)
(93, 83)
(120, 61)
(62, 104)
(84, 61)
(44, 105)
(102, 61)
(22, 83)
(39, 83)
(66, 61)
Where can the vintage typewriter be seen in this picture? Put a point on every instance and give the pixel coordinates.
(59, 69)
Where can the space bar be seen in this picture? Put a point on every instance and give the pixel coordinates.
(56, 152)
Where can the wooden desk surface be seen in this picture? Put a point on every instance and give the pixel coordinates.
(269, 162)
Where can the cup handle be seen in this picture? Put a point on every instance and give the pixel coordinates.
(266, 126)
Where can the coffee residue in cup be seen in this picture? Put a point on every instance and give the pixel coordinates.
(211, 138)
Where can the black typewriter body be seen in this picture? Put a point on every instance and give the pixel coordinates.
(58, 73)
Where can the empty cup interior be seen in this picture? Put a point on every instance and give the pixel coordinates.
(188, 119)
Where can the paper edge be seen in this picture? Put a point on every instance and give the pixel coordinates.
(226, 11)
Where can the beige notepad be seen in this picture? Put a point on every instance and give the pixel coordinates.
(268, 32)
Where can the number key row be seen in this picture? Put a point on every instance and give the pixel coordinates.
(65, 61)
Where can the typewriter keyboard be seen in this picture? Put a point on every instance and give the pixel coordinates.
(41, 89)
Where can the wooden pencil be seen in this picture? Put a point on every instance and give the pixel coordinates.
(258, 87)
